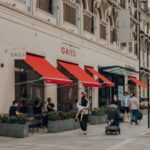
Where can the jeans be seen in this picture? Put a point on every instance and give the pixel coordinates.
(83, 122)
(134, 115)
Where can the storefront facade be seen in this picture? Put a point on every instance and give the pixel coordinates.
(54, 44)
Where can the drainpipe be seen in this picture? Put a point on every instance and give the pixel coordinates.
(148, 110)
(139, 54)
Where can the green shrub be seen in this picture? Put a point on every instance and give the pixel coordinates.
(95, 112)
(4, 119)
(143, 107)
(22, 118)
(68, 115)
(73, 114)
(62, 115)
(99, 111)
(54, 115)
(12, 120)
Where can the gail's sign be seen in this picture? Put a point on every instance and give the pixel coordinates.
(15, 53)
(68, 51)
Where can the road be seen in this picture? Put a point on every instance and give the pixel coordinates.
(133, 137)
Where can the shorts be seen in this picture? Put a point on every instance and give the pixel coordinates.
(126, 109)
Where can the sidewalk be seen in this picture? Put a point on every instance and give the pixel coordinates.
(132, 137)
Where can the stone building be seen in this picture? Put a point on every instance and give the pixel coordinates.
(144, 45)
(66, 41)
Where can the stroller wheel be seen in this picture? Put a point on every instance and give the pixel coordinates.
(106, 131)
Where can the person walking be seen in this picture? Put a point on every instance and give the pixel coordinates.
(126, 105)
(84, 102)
(117, 101)
(134, 106)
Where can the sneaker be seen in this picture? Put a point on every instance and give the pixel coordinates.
(85, 133)
(81, 132)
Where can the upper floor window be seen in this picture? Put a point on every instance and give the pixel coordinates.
(103, 31)
(22, 1)
(69, 13)
(46, 5)
(88, 17)
(112, 35)
(123, 3)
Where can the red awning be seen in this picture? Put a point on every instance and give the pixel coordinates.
(80, 74)
(46, 70)
(139, 83)
(101, 77)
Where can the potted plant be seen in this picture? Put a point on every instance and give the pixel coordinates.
(97, 116)
(60, 121)
(143, 109)
(14, 126)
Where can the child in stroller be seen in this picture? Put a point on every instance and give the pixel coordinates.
(113, 120)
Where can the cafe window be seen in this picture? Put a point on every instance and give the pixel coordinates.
(46, 5)
(69, 14)
(67, 95)
(28, 86)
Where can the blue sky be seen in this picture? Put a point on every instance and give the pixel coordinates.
(149, 3)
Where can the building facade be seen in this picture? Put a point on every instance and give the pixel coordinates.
(78, 32)
(144, 56)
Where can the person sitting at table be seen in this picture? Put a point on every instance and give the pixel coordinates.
(50, 105)
(13, 110)
(37, 109)
(23, 107)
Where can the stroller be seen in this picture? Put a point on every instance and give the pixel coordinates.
(113, 121)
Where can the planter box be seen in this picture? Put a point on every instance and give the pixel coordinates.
(62, 125)
(97, 119)
(14, 130)
(144, 111)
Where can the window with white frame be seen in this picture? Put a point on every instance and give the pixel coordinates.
(46, 5)
(111, 29)
(70, 11)
(103, 31)
(88, 16)
(102, 25)
(21, 1)
(123, 3)
(29, 5)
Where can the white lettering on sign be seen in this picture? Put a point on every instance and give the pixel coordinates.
(68, 51)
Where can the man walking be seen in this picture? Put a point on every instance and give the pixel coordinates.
(84, 102)
(126, 105)
(134, 106)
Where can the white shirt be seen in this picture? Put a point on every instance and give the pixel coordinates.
(126, 102)
(87, 107)
(134, 103)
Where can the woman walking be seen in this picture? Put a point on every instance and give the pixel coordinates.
(84, 102)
